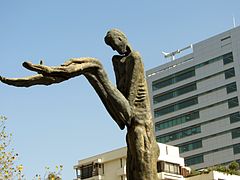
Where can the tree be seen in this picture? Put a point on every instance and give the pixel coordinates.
(51, 175)
(8, 169)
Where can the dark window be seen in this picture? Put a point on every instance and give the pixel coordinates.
(163, 166)
(177, 120)
(233, 102)
(209, 62)
(235, 117)
(190, 146)
(178, 135)
(163, 111)
(231, 87)
(194, 160)
(229, 73)
(236, 148)
(227, 58)
(185, 75)
(162, 83)
(235, 133)
(174, 107)
(186, 89)
(163, 97)
(182, 75)
(228, 37)
(174, 93)
(186, 103)
(87, 171)
(190, 72)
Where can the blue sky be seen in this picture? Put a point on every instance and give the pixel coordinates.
(63, 123)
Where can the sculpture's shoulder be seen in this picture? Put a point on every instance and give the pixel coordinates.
(135, 55)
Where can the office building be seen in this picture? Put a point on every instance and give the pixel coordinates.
(195, 101)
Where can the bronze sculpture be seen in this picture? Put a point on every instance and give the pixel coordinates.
(128, 103)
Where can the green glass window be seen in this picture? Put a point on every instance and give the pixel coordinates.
(235, 117)
(162, 83)
(186, 89)
(180, 76)
(229, 73)
(194, 160)
(179, 135)
(177, 120)
(163, 111)
(236, 149)
(209, 61)
(235, 133)
(174, 93)
(190, 146)
(186, 103)
(163, 97)
(231, 87)
(175, 107)
(185, 75)
(233, 102)
(190, 72)
(227, 58)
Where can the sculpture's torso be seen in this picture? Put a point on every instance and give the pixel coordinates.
(130, 80)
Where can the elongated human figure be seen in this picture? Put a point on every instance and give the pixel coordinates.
(128, 103)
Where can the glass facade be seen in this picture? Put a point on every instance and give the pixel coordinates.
(227, 58)
(233, 102)
(190, 146)
(209, 61)
(175, 107)
(177, 120)
(194, 160)
(190, 72)
(174, 93)
(236, 149)
(180, 76)
(179, 134)
(235, 117)
(236, 133)
(231, 87)
(229, 73)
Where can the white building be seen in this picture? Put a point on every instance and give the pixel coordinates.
(214, 175)
(195, 101)
(112, 165)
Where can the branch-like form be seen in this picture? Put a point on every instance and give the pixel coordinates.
(115, 103)
(51, 75)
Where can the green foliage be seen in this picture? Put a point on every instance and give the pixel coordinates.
(232, 168)
(51, 175)
(8, 169)
(194, 173)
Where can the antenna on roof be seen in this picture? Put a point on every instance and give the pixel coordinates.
(234, 21)
(172, 54)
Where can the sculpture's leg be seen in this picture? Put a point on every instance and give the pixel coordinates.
(142, 153)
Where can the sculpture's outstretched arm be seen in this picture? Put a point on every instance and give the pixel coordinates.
(51, 75)
(115, 103)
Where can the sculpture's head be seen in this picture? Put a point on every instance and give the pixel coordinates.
(118, 41)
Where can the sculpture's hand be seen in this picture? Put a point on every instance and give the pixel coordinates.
(73, 67)
(54, 74)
